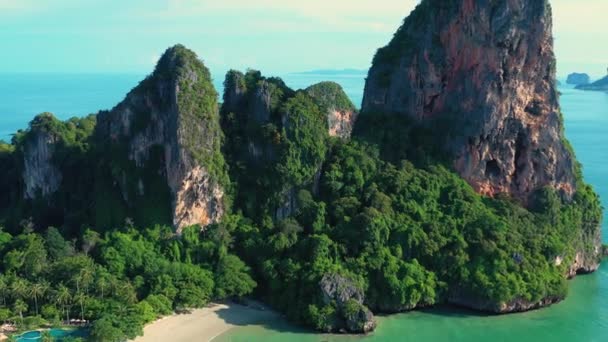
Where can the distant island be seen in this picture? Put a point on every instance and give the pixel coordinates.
(578, 79)
(333, 72)
(599, 85)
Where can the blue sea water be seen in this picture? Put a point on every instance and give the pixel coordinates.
(583, 316)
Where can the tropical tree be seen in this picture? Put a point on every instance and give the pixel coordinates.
(20, 306)
(19, 288)
(80, 298)
(63, 297)
(84, 279)
(36, 291)
(90, 238)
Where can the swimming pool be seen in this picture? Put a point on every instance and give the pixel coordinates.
(57, 334)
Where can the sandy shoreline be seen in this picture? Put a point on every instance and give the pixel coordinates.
(205, 324)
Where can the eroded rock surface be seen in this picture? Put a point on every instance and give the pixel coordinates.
(482, 74)
(40, 176)
(349, 298)
(175, 111)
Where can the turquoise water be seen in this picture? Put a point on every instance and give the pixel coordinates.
(57, 334)
(583, 316)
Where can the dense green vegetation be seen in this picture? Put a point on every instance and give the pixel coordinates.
(273, 149)
(331, 96)
(411, 237)
(382, 214)
(120, 281)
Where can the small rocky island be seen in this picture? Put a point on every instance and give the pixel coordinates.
(578, 79)
(599, 85)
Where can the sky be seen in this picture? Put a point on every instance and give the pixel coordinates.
(275, 36)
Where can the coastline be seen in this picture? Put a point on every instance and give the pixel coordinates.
(207, 323)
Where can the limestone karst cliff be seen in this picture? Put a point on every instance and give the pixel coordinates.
(172, 116)
(480, 76)
(41, 177)
(483, 73)
(265, 121)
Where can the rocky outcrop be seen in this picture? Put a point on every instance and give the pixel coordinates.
(259, 121)
(175, 111)
(481, 75)
(578, 79)
(341, 113)
(599, 85)
(41, 177)
(349, 298)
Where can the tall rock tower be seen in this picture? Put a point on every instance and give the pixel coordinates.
(482, 73)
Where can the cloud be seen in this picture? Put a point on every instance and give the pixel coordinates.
(15, 6)
(580, 16)
(316, 15)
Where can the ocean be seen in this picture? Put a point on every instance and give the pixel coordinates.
(583, 316)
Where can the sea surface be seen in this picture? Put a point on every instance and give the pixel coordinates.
(583, 316)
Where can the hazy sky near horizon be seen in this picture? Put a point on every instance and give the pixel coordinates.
(275, 36)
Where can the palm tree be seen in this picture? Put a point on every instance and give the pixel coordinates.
(63, 297)
(37, 290)
(85, 278)
(80, 298)
(102, 283)
(19, 288)
(20, 307)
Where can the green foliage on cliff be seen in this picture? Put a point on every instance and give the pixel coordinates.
(383, 211)
(414, 237)
(276, 141)
(330, 95)
(198, 107)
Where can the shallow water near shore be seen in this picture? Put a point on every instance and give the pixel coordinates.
(583, 316)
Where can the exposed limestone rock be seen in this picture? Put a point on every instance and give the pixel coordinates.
(287, 206)
(517, 305)
(40, 176)
(174, 110)
(341, 113)
(349, 300)
(482, 74)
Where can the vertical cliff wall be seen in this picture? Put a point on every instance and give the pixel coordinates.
(41, 177)
(172, 120)
(482, 74)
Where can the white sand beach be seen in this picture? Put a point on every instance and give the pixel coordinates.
(205, 324)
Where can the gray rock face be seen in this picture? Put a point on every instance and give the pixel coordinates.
(174, 110)
(349, 300)
(40, 176)
(578, 79)
(482, 75)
